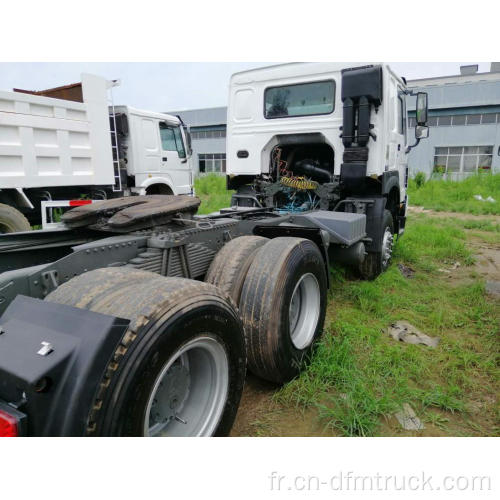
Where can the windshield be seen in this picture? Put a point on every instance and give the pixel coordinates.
(316, 98)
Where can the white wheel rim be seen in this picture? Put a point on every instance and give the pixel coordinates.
(304, 311)
(190, 392)
(387, 243)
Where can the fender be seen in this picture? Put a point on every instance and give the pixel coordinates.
(375, 206)
(157, 180)
(389, 180)
(19, 197)
(52, 358)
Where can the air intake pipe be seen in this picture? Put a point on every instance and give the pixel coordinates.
(311, 169)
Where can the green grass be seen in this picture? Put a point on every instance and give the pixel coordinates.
(455, 196)
(211, 189)
(359, 375)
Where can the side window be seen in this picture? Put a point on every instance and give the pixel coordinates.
(171, 139)
(167, 138)
(401, 118)
(179, 143)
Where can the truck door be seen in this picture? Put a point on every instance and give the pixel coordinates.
(174, 158)
(396, 146)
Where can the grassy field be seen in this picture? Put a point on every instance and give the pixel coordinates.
(211, 189)
(458, 196)
(359, 376)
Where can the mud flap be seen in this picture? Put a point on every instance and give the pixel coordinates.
(52, 358)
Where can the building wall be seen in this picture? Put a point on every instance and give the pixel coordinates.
(457, 96)
(210, 148)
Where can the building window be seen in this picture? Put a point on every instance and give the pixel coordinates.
(459, 120)
(488, 118)
(444, 121)
(208, 134)
(473, 119)
(208, 162)
(462, 159)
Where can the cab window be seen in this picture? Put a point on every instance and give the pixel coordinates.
(401, 117)
(171, 139)
(167, 138)
(303, 99)
(179, 143)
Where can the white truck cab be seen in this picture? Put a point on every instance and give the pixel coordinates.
(329, 136)
(155, 149)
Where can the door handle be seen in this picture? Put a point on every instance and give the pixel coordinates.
(164, 158)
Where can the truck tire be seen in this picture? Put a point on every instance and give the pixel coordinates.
(376, 263)
(179, 369)
(230, 266)
(283, 304)
(12, 220)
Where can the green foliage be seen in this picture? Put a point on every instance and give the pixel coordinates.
(359, 375)
(419, 180)
(457, 196)
(211, 189)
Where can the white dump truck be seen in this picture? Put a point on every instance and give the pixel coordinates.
(141, 317)
(71, 142)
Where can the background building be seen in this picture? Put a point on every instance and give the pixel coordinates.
(208, 134)
(464, 137)
(464, 119)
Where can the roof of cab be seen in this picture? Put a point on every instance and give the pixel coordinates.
(297, 69)
(149, 114)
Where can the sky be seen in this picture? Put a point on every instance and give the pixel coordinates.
(171, 86)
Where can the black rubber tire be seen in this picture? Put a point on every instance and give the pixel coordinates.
(230, 266)
(265, 305)
(373, 264)
(164, 314)
(12, 220)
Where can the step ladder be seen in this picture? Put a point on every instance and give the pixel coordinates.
(117, 186)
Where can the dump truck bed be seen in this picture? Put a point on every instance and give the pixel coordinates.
(47, 142)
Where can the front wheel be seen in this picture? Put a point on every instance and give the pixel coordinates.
(12, 220)
(377, 262)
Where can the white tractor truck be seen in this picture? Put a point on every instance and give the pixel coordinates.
(72, 143)
(141, 317)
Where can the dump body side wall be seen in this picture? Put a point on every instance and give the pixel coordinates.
(48, 142)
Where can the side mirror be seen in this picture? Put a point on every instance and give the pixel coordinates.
(422, 108)
(421, 132)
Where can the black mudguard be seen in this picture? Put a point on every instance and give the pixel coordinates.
(55, 390)
(375, 207)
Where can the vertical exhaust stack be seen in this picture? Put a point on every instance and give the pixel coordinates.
(361, 90)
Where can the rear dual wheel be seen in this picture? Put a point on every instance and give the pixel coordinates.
(280, 288)
(179, 369)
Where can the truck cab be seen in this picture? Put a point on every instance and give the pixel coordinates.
(329, 136)
(155, 150)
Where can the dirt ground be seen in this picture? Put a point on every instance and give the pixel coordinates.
(259, 415)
